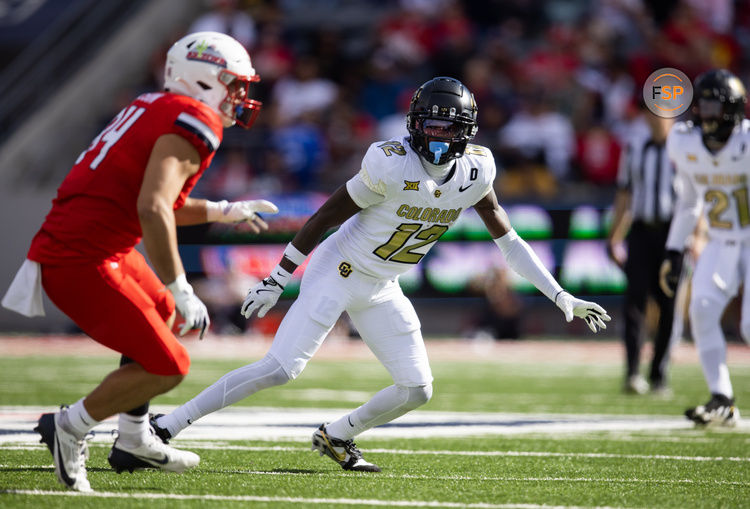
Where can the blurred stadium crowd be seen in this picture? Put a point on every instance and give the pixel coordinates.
(557, 83)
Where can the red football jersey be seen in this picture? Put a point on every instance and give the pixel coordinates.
(94, 215)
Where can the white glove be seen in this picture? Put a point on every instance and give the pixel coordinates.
(265, 294)
(238, 211)
(592, 313)
(189, 306)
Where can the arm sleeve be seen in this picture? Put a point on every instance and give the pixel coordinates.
(525, 262)
(686, 212)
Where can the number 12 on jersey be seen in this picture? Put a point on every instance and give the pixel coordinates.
(395, 251)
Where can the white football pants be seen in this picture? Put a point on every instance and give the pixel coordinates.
(380, 311)
(707, 304)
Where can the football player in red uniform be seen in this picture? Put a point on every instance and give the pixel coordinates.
(133, 182)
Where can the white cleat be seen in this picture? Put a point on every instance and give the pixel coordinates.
(68, 453)
(636, 384)
(151, 454)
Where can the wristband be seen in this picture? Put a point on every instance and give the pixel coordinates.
(281, 276)
(557, 295)
(180, 285)
(215, 210)
(294, 255)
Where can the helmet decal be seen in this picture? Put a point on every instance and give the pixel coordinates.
(205, 53)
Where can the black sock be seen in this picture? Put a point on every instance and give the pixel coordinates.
(143, 409)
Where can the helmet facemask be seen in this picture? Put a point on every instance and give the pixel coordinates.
(717, 119)
(236, 105)
(440, 140)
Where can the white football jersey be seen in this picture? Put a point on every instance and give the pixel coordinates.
(716, 182)
(388, 238)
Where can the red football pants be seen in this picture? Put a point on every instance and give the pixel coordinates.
(123, 305)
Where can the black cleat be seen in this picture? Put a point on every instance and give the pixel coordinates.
(343, 452)
(121, 461)
(719, 411)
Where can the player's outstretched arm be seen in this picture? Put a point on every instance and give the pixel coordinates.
(337, 209)
(198, 211)
(524, 261)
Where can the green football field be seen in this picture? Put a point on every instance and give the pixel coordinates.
(495, 435)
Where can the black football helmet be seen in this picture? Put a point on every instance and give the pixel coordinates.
(720, 100)
(447, 108)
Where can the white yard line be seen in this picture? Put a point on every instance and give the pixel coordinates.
(297, 424)
(408, 452)
(298, 500)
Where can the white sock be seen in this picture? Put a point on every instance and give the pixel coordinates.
(133, 429)
(182, 417)
(229, 389)
(386, 405)
(76, 420)
(715, 370)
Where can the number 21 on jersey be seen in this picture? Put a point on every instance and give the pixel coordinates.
(109, 136)
(720, 201)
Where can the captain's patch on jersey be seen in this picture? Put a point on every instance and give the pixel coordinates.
(411, 186)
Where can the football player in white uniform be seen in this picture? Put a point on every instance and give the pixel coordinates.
(712, 159)
(407, 194)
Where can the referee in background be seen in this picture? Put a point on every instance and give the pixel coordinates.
(644, 202)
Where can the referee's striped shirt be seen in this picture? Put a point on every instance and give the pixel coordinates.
(646, 171)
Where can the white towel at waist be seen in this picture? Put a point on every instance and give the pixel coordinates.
(25, 293)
